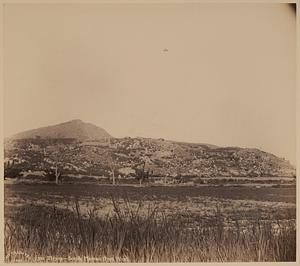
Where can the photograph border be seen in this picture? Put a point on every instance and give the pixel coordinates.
(2, 94)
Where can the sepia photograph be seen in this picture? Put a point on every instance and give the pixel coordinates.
(149, 132)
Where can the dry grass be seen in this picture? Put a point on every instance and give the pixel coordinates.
(138, 233)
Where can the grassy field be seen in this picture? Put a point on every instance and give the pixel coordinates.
(88, 222)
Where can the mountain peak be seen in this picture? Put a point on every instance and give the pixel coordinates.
(75, 129)
(75, 121)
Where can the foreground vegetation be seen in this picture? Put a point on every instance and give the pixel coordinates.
(138, 233)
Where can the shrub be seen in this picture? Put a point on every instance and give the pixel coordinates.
(12, 172)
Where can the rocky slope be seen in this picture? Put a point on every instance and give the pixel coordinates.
(86, 154)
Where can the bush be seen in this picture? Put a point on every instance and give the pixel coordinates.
(12, 172)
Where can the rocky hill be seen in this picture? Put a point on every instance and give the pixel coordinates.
(83, 153)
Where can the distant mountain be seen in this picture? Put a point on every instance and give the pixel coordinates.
(74, 129)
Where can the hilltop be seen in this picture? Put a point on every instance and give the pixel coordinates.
(74, 129)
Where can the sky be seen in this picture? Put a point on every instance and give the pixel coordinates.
(223, 74)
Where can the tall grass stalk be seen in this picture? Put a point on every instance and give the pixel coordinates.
(140, 234)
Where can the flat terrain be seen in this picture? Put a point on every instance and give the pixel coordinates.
(38, 191)
(279, 202)
(260, 219)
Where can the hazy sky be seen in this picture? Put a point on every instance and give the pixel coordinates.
(227, 78)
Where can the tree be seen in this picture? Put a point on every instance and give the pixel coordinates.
(111, 163)
(141, 173)
(167, 174)
(57, 158)
(178, 177)
(57, 173)
(107, 160)
(111, 166)
(12, 172)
